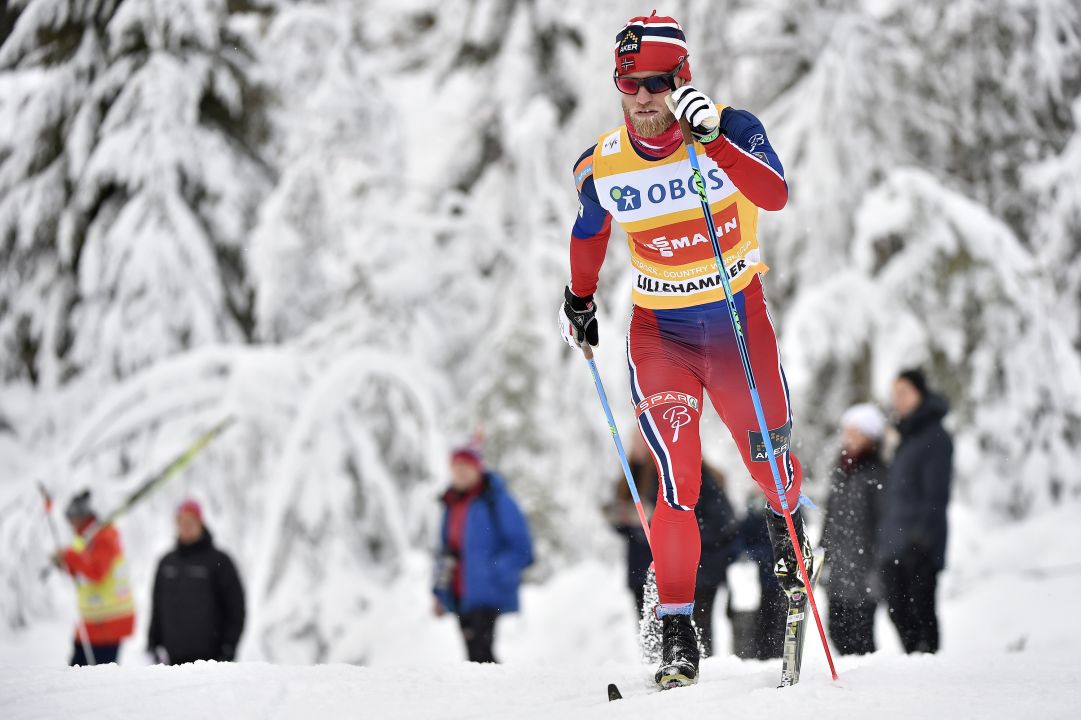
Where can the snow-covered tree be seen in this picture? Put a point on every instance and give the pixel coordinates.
(130, 176)
(346, 225)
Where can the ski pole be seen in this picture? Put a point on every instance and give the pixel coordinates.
(745, 357)
(80, 628)
(588, 352)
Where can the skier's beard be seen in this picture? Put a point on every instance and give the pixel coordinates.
(653, 125)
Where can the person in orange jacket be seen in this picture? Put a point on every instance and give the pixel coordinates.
(96, 561)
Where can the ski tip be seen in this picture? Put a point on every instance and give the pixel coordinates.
(613, 692)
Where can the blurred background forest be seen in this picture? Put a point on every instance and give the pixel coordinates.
(346, 224)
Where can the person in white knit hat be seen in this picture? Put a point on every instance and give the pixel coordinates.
(850, 530)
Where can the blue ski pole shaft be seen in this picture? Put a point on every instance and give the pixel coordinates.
(588, 352)
(745, 356)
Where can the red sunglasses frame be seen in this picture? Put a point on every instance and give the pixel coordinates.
(667, 81)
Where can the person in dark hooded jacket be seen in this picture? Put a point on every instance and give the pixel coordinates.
(198, 601)
(912, 542)
(850, 530)
(717, 526)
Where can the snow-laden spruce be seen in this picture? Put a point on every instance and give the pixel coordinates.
(352, 235)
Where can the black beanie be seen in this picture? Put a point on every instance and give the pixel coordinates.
(79, 507)
(916, 377)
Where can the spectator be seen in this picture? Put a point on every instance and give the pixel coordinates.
(198, 601)
(719, 531)
(716, 522)
(912, 548)
(623, 516)
(96, 561)
(850, 530)
(484, 547)
(760, 636)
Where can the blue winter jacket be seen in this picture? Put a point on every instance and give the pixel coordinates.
(496, 548)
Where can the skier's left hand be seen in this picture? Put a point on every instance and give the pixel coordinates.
(58, 559)
(700, 112)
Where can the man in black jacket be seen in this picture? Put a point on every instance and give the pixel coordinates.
(912, 544)
(198, 601)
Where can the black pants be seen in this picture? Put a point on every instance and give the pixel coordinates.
(910, 594)
(759, 634)
(851, 625)
(703, 616)
(478, 631)
(103, 654)
(639, 598)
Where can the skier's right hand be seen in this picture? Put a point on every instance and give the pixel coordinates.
(578, 320)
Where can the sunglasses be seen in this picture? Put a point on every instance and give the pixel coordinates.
(654, 84)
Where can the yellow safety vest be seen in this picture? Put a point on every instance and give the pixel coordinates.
(109, 599)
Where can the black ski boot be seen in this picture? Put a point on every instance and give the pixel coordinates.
(785, 566)
(679, 653)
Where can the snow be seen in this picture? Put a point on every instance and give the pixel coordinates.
(1004, 686)
(1006, 652)
(352, 236)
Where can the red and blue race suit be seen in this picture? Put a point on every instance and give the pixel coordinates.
(680, 344)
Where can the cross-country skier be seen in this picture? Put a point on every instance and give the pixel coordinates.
(680, 340)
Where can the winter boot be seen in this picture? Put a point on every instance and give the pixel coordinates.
(679, 653)
(785, 566)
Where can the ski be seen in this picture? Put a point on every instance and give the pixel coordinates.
(161, 477)
(795, 629)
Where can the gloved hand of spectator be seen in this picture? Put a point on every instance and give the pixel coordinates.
(445, 571)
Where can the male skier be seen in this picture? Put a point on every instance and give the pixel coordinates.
(680, 340)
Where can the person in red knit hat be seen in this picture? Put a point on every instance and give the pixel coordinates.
(484, 545)
(96, 561)
(680, 344)
(197, 602)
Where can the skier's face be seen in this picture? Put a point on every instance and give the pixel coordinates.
(648, 112)
(906, 398)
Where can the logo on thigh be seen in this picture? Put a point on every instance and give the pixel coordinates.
(668, 398)
(780, 438)
(678, 416)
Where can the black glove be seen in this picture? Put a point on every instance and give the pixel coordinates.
(444, 571)
(578, 319)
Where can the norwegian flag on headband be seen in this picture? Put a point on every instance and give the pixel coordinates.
(652, 44)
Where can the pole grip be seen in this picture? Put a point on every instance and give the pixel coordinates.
(685, 128)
